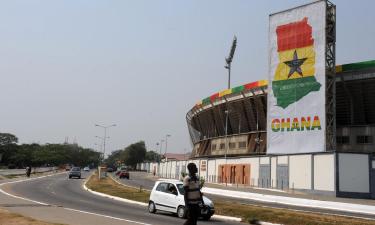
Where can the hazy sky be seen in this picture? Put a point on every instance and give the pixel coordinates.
(66, 65)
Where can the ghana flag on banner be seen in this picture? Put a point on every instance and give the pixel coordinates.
(295, 74)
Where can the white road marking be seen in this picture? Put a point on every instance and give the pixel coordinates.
(70, 209)
(110, 217)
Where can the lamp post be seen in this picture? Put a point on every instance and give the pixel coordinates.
(161, 144)
(105, 134)
(156, 150)
(226, 144)
(100, 146)
(257, 139)
(166, 143)
(228, 61)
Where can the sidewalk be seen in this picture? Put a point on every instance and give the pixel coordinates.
(289, 193)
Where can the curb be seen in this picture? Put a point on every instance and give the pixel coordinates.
(218, 217)
(110, 196)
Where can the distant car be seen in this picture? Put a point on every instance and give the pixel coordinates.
(109, 169)
(168, 195)
(87, 169)
(75, 172)
(67, 168)
(124, 174)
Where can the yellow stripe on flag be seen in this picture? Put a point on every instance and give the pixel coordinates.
(308, 67)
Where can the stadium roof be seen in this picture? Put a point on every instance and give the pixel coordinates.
(263, 83)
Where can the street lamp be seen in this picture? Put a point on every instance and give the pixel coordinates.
(166, 143)
(156, 150)
(257, 139)
(226, 143)
(161, 147)
(100, 146)
(105, 134)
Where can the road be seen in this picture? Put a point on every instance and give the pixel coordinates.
(60, 191)
(6, 172)
(147, 181)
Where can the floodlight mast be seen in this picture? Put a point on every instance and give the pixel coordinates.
(229, 59)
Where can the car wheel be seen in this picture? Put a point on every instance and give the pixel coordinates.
(206, 217)
(151, 207)
(181, 212)
(70, 177)
(79, 177)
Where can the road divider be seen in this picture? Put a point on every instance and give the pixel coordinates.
(144, 204)
(111, 196)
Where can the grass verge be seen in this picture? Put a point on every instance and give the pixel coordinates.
(16, 219)
(110, 187)
(248, 213)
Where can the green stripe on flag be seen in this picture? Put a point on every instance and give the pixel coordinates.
(287, 92)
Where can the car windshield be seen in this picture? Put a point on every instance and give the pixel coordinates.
(76, 169)
(181, 188)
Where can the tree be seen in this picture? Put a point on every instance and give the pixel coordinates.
(152, 156)
(114, 158)
(7, 146)
(7, 139)
(134, 153)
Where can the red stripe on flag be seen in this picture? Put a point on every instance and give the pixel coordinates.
(294, 35)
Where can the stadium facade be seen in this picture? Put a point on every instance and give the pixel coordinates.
(309, 127)
(237, 117)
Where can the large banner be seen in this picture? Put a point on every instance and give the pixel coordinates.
(296, 88)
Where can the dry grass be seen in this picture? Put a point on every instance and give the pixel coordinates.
(7, 218)
(248, 213)
(109, 186)
(252, 214)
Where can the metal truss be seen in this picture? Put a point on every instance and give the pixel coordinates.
(330, 55)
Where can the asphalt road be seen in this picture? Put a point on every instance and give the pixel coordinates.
(23, 171)
(146, 181)
(68, 193)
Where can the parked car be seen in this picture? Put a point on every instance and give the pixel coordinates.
(87, 169)
(75, 172)
(118, 173)
(168, 195)
(109, 169)
(124, 174)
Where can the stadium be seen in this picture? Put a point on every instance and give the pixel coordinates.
(309, 127)
(237, 117)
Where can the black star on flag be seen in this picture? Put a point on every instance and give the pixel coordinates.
(295, 64)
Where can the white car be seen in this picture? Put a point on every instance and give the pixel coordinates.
(86, 169)
(168, 195)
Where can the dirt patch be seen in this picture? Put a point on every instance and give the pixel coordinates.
(16, 219)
